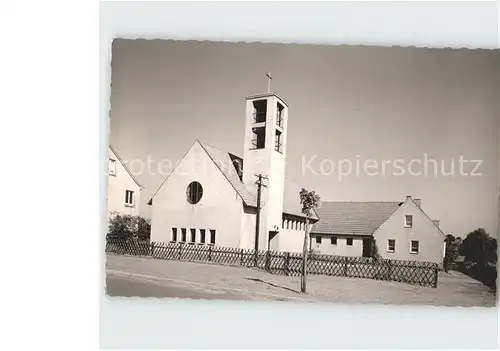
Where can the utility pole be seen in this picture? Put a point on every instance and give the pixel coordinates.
(257, 218)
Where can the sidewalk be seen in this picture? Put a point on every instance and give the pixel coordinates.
(452, 290)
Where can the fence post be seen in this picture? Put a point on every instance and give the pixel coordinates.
(286, 263)
(345, 266)
(153, 249)
(209, 253)
(435, 282)
(180, 251)
(241, 257)
(389, 269)
(268, 261)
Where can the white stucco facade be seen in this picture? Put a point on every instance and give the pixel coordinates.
(121, 181)
(220, 208)
(427, 237)
(340, 245)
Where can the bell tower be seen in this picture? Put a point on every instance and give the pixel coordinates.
(264, 153)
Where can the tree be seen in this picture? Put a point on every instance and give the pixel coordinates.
(480, 251)
(452, 250)
(309, 201)
(143, 228)
(479, 247)
(375, 252)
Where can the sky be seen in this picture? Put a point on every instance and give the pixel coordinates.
(348, 105)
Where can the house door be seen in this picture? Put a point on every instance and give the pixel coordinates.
(367, 247)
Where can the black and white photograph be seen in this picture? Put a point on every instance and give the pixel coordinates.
(303, 173)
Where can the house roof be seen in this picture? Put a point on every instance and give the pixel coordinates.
(225, 162)
(125, 166)
(353, 218)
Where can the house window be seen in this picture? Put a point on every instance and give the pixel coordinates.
(408, 221)
(174, 234)
(349, 241)
(202, 236)
(129, 198)
(194, 192)
(391, 245)
(333, 240)
(414, 246)
(318, 239)
(193, 236)
(183, 235)
(212, 236)
(112, 167)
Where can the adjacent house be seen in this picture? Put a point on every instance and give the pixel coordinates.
(124, 190)
(400, 230)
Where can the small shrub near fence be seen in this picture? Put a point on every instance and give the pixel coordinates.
(283, 263)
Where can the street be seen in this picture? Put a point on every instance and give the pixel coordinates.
(131, 285)
(145, 277)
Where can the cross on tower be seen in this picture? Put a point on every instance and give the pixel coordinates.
(269, 78)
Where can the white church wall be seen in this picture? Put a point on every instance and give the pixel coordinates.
(274, 206)
(219, 209)
(118, 183)
(248, 228)
(291, 240)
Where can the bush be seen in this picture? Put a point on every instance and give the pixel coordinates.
(129, 227)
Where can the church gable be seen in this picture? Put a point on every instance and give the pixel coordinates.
(196, 166)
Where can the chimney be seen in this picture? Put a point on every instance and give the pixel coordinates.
(418, 202)
(436, 222)
(408, 197)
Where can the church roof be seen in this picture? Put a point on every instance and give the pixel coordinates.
(353, 218)
(224, 161)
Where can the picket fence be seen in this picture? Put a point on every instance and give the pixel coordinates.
(283, 263)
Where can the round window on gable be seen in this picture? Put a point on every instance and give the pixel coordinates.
(194, 192)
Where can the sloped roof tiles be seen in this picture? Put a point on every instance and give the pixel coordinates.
(353, 218)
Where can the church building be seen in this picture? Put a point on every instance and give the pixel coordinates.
(211, 196)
